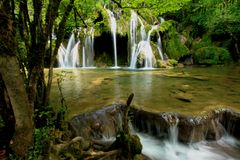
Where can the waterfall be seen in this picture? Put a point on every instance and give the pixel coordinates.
(83, 57)
(159, 47)
(133, 34)
(88, 48)
(69, 57)
(75, 55)
(173, 132)
(141, 51)
(142, 30)
(113, 25)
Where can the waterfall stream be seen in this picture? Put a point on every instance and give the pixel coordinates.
(88, 49)
(69, 57)
(141, 51)
(113, 26)
(224, 149)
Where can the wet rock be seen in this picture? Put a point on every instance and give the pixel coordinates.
(108, 121)
(190, 128)
(103, 123)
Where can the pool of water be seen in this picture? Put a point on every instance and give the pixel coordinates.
(191, 90)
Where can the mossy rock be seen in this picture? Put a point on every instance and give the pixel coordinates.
(211, 56)
(130, 144)
(167, 64)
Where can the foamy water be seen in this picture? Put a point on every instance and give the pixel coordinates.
(227, 148)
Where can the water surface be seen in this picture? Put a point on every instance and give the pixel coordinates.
(192, 90)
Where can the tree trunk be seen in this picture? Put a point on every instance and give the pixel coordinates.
(60, 37)
(14, 83)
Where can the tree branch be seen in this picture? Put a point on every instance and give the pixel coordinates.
(75, 10)
(117, 3)
(60, 36)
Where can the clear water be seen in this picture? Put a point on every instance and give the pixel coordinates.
(155, 90)
(158, 90)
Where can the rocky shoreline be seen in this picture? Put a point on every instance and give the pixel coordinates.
(93, 133)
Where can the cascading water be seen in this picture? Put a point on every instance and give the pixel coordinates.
(133, 34)
(88, 50)
(113, 26)
(75, 55)
(141, 51)
(69, 57)
(83, 57)
(159, 47)
(171, 149)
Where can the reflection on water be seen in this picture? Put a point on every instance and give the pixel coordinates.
(187, 90)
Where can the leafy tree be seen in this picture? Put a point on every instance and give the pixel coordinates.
(218, 19)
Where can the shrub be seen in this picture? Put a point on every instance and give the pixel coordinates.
(211, 56)
(174, 48)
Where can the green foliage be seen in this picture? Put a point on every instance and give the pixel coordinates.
(39, 150)
(173, 46)
(211, 56)
(155, 7)
(41, 144)
(166, 25)
(204, 42)
(213, 16)
(172, 62)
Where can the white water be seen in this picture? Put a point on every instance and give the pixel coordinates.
(113, 25)
(83, 57)
(69, 57)
(88, 50)
(159, 47)
(144, 51)
(140, 49)
(227, 148)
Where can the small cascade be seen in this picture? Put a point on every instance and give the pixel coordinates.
(173, 132)
(142, 30)
(113, 25)
(69, 57)
(141, 51)
(159, 47)
(133, 34)
(75, 55)
(83, 57)
(88, 50)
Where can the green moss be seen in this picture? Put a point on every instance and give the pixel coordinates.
(173, 46)
(130, 144)
(212, 55)
(172, 62)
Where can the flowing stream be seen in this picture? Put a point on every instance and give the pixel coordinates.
(227, 148)
(189, 91)
(113, 26)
